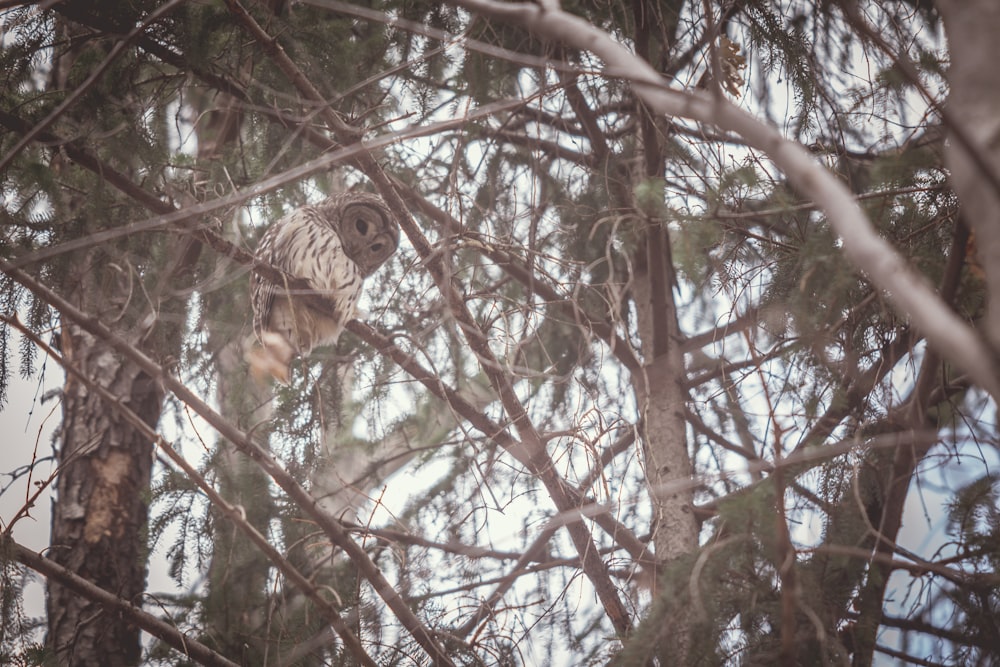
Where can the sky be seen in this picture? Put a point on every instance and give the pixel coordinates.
(26, 425)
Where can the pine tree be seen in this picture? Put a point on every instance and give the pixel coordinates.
(641, 386)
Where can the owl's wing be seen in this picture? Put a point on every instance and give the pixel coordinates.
(261, 289)
(281, 247)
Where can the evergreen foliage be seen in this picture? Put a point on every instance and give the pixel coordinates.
(483, 434)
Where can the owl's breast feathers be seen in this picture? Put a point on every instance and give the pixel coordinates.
(332, 246)
(304, 245)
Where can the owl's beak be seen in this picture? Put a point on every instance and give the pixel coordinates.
(379, 251)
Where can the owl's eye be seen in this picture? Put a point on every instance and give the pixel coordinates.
(362, 226)
(376, 248)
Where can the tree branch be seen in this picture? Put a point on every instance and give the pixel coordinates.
(868, 251)
(593, 567)
(95, 75)
(232, 512)
(187, 646)
(330, 526)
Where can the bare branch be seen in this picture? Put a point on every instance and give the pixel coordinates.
(868, 251)
(232, 512)
(331, 527)
(583, 541)
(187, 646)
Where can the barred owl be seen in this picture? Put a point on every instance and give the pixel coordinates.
(334, 245)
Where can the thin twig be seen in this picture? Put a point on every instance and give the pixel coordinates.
(169, 634)
(538, 457)
(333, 529)
(863, 246)
(232, 512)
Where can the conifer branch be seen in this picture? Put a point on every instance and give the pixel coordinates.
(531, 440)
(233, 513)
(330, 526)
(179, 641)
(95, 75)
(863, 246)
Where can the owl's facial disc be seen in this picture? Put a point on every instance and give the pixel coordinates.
(369, 236)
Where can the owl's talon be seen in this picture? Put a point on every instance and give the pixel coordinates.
(264, 365)
(272, 359)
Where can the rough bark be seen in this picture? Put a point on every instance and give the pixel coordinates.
(660, 392)
(99, 517)
(662, 406)
(165, 631)
(661, 400)
(100, 510)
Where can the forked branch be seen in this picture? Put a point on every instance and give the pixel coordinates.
(886, 268)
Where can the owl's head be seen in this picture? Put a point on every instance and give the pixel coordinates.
(368, 230)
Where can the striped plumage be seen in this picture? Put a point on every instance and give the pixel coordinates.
(333, 245)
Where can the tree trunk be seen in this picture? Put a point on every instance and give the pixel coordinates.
(660, 393)
(661, 398)
(100, 511)
(237, 576)
(99, 517)
(237, 599)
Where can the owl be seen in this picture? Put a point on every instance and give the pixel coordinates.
(333, 245)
